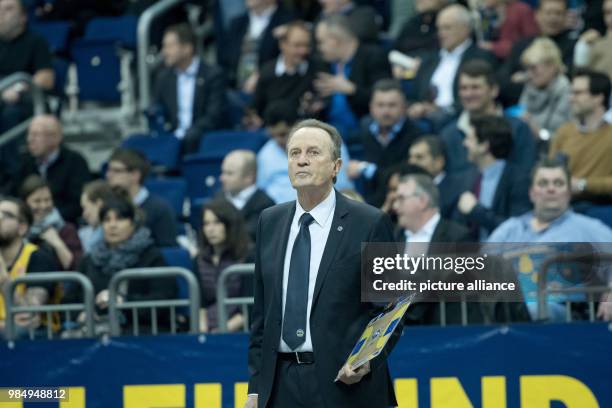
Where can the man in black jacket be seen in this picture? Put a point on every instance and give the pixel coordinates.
(501, 189)
(238, 176)
(386, 138)
(354, 69)
(308, 313)
(64, 169)
(189, 92)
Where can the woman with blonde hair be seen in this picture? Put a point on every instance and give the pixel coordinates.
(546, 96)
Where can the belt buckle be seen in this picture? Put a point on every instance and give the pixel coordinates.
(297, 357)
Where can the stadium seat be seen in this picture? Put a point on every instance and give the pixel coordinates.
(97, 57)
(173, 190)
(179, 257)
(55, 33)
(202, 175)
(602, 213)
(161, 150)
(98, 70)
(224, 141)
(121, 30)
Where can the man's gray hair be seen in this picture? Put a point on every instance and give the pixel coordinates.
(424, 185)
(333, 133)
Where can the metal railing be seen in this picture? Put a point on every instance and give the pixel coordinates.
(146, 57)
(38, 100)
(114, 306)
(49, 277)
(223, 301)
(589, 258)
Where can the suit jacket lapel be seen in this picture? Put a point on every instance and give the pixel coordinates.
(198, 94)
(337, 233)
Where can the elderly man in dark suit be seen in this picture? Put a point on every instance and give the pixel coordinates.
(436, 82)
(190, 92)
(308, 312)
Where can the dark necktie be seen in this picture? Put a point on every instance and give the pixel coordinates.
(296, 302)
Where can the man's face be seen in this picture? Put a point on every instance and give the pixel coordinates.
(117, 174)
(475, 149)
(279, 133)
(174, 52)
(91, 210)
(311, 165)
(387, 108)
(476, 94)
(583, 103)
(551, 17)
(296, 46)
(44, 136)
(408, 205)
(232, 175)
(11, 228)
(40, 203)
(421, 156)
(549, 193)
(328, 45)
(451, 32)
(12, 19)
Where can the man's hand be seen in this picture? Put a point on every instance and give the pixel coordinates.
(328, 84)
(349, 376)
(251, 401)
(590, 36)
(51, 236)
(419, 110)
(467, 202)
(11, 95)
(604, 311)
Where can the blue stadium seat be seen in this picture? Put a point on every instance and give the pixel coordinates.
(98, 70)
(195, 214)
(55, 33)
(173, 190)
(120, 29)
(96, 56)
(161, 150)
(222, 142)
(179, 257)
(602, 213)
(202, 175)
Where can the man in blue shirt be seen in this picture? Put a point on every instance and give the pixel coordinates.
(552, 220)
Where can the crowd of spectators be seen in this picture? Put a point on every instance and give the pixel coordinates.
(492, 130)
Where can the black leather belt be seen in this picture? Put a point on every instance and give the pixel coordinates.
(306, 357)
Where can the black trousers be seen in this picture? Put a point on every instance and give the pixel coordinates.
(295, 385)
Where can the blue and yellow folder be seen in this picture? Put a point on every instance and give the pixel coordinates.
(377, 333)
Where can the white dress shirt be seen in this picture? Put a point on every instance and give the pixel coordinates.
(239, 200)
(426, 231)
(259, 22)
(280, 68)
(319, 231)
(185, 85)
(443, 77)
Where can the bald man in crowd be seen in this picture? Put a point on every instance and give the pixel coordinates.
(65, 170)
(238, 176)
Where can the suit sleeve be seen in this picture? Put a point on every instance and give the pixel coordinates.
(212, 117)
(383, 232)
(377, 67)
(70, 208)
(257, 320)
